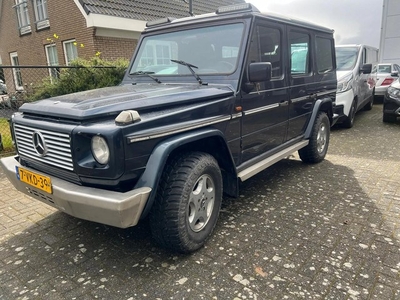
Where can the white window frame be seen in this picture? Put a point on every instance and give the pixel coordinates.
(41, 15)
(19, 85)
(52, 60)
(151, 52)
(68, 57)
(24, 23)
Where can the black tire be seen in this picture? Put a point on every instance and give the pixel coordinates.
(317, 148)
(389, 118)
(187, 203)
(370, 104)
(349, 121)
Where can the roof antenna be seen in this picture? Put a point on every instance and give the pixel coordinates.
(190, 7)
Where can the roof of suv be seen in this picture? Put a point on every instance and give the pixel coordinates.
(228, 12)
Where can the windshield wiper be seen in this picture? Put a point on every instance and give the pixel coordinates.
(147, 74)
(190, 67)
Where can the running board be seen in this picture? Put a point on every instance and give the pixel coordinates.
(265, 163)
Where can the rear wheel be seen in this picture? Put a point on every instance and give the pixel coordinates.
(389, 118)
(317, 148)
(187, 203)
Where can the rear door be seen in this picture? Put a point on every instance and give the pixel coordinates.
(302, 93)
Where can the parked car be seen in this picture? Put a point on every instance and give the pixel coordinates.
(223, 102)
(3, 88)
(356, 75)
(391, 102)
(386, 75)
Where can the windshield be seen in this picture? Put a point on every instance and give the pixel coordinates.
(346, 58)
(210, 50)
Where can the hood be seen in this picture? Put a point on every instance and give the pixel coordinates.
(341, 74)
(112, 100)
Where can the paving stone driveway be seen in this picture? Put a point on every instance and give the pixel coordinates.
(325, 231)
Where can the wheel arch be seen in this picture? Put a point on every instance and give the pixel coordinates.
(210, 141)
(324, 105)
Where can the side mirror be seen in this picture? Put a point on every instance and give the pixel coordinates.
(395, 74)
(260, 71)
(366, 69)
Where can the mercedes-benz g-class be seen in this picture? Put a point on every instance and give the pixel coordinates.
(207, 102)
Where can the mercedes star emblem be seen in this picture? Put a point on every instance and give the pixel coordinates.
(39, 144)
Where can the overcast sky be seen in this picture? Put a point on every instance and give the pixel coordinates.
(354, 21)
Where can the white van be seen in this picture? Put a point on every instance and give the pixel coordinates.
(356, 75)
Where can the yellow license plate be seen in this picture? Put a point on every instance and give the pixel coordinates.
(38, 181)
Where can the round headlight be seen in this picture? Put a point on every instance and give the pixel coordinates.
(100, 150)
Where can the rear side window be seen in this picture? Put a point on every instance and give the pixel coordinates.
(324, 55)
(299, 53)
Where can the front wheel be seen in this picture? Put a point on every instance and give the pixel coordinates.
(349, 121)
(370, 104)
(187, 203)
(317, 148)
(389, 118)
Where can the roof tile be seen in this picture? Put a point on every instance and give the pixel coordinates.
(147, 10)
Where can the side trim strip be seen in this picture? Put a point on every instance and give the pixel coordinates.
(260, 109)
(269, 161)
(143, 137)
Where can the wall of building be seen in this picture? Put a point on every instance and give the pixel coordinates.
(112, 48)
(389, 48)
(66, 23)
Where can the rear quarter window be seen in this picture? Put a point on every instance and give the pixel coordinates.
(324, 55)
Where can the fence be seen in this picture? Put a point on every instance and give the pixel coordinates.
(23, 84)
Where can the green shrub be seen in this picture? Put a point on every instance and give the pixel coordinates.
(5, 134)
(88, 74)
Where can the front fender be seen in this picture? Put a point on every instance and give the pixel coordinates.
(159, 156)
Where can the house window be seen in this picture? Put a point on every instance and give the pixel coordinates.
(41, 17)
(156, 54)
(16, 71)
(21, 8)
(70, 51)
(52, 60)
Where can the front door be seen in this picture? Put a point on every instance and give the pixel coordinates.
(265, 104)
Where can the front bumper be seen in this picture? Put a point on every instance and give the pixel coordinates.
(391, 106)
(107, 207)
(344, 100)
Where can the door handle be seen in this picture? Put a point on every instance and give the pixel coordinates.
(284, 103)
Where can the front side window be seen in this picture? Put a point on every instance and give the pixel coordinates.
(16, 72)
(210, 50)
(299, 53)
(70, 51)
(21, 8)
(346, 58)
(266, 46)
(52, 60)
(41, 16)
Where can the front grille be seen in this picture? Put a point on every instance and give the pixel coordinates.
(58, 148)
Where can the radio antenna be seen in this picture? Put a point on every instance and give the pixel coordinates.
(190, 6)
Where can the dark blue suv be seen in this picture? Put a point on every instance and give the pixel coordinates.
(207, 102)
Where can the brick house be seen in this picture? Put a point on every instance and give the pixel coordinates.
(53, 32)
